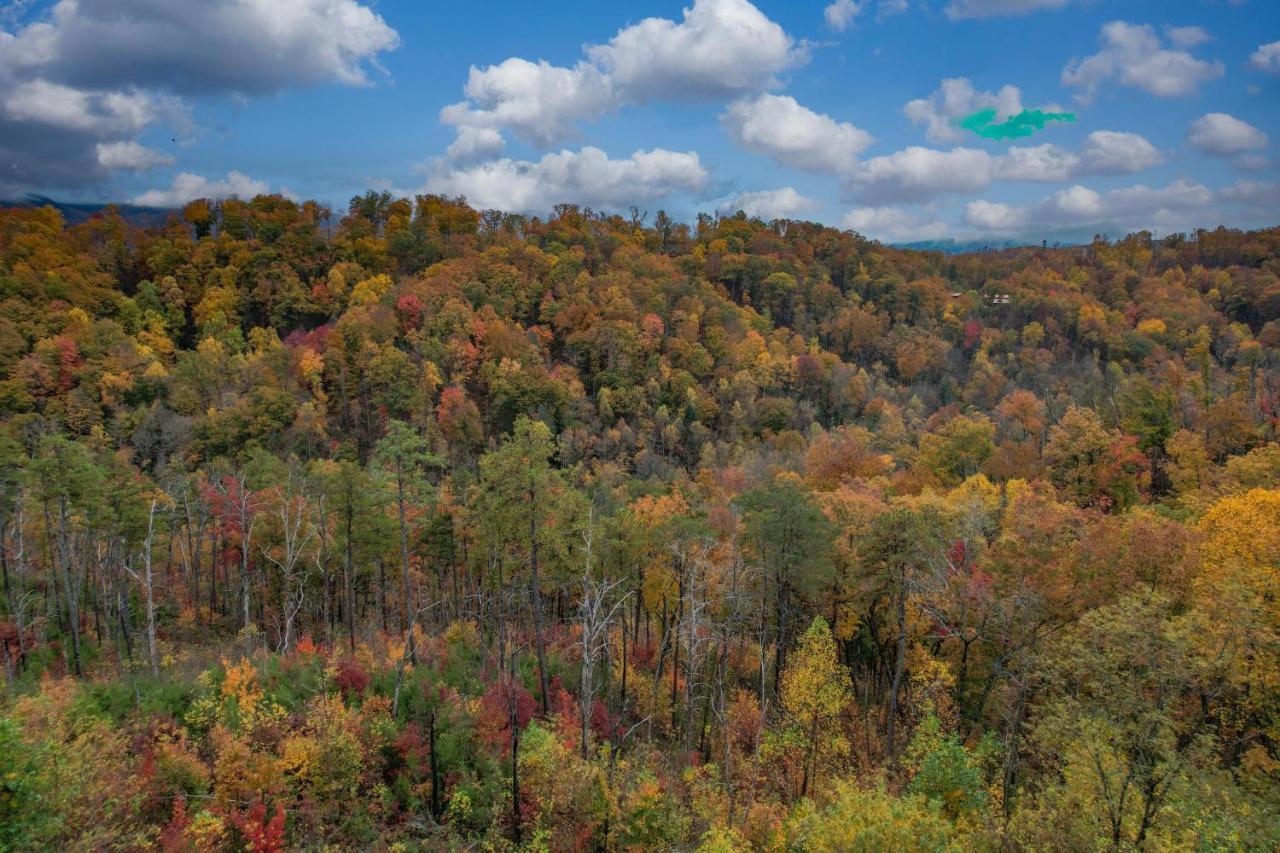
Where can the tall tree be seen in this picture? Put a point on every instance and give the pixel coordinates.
(530, 511)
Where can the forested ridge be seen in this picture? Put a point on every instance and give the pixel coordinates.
(420, 527)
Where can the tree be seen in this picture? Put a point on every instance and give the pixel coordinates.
(815, 691)
(1122, 723)
(65, 478)
(793, 541)
(292, 531)
(1093, 465)
(403, 453)
(529, 512)
(958, 448)
(898, 547)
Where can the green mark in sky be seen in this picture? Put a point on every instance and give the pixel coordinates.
(1024, 123)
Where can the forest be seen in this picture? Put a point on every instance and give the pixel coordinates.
(418, 527)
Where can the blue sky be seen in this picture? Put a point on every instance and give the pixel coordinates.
(842, 112)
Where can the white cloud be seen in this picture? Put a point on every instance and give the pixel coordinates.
(1187, 36)
(1104, 152)
(87, 72)
(1266, 57)
(1044, 162)
(1132, 54)
(98, 113)
(539, 102)
(894, 224)
(889, 8)
(954, 99)
(1223, 135)
(473, 144)
(588, 177)
(916, 173)
(840, 14)
(778, 126)
(1111, 152)
(783, 203)
(994, 217)
(1179, 206)
(131, 157)
(186, 187)
(196, 46)
(958, 9)
(1258, 200)
(721, 48)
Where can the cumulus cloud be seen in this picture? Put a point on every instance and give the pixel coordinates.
(840, 14)
(101, 113)
(198, 46)
(1104, 152)
(537, 101)
(1187, 36)
(131, 157)
(895, 224)
(954, 99)
(1178, 206)
(783, 203)
(793, 135)
(1224, 135)
(1266, 58)
(1133, 55)
(587, 177)
(721, 48)
(1111, 152)
(473, 144)
(96, 72)
(917, 173)
(1253, 201)
(1044, 162)
(186, 187)
(994, 217)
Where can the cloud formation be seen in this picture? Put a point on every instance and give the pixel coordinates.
(721, 48)
(1173, 207)
(1266, 58)
(187, 187)
(917, 174)
(895, 224)
(131, 157)
(1223, 135)
(779, 127)
(784, 203)
(840, 14)
(587, 177)
(92, 73)
(1133, 55)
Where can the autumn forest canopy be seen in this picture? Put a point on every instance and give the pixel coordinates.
(420, 527)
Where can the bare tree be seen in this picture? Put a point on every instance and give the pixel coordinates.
(596, 613)
(148, 587)
(296, 531)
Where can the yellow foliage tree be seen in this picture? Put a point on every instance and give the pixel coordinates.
(815, 690)
(1238, 597)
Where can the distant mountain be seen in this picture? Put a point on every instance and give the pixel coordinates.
(75, 213)
(957, 247)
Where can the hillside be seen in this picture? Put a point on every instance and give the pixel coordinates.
(422, 527)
